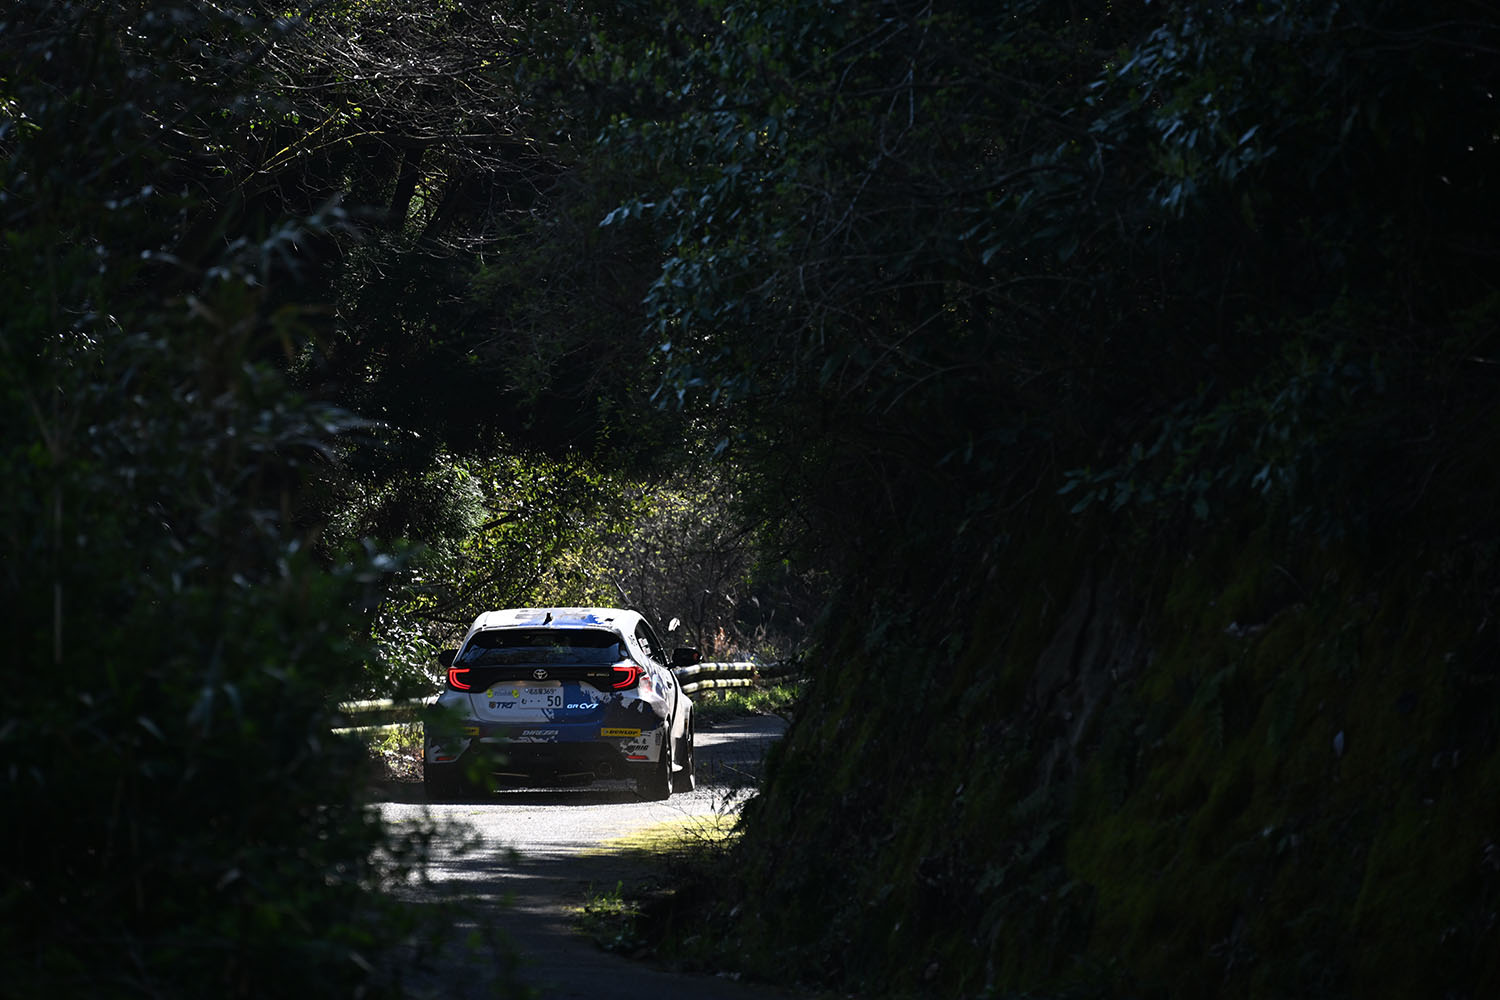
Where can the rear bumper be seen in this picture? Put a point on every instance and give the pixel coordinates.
(547, 752)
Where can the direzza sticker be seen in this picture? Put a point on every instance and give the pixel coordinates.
(620, 732)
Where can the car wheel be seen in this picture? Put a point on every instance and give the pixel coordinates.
(656, 784)
(444, 782)
(686, 779)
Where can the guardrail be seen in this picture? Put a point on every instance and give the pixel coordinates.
(740, 673)
(380, 715)
(383, 715)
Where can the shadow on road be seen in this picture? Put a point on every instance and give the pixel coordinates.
(506, 894)
(511, 932)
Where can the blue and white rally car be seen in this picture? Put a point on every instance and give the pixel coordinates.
(561, 694)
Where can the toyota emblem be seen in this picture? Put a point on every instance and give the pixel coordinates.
(539, 674)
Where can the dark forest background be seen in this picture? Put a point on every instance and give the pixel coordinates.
(1103, 401)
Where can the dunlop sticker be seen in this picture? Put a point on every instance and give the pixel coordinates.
(620, 732)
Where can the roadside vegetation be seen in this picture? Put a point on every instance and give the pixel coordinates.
(1098, 399)
(679, 862)
(770, 698)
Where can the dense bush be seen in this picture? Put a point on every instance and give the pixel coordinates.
(178, 818)
(1129, 368)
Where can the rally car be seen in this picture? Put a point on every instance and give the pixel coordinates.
(553, 695)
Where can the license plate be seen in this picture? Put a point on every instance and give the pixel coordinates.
(525, 696)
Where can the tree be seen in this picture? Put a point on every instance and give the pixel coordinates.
(1030, 312)
(178, 816)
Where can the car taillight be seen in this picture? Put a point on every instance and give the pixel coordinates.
(456, 678)
(625, 675)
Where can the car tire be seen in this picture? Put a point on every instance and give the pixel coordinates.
(444, 782)
(656, 784)
(686, 779)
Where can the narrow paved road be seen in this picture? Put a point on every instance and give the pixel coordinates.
(518, 863)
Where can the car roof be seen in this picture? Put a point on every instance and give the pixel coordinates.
(613, 618)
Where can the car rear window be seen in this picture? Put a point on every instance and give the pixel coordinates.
(581, 647)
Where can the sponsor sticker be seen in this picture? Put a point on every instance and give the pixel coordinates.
(471, 730)
(624, 733)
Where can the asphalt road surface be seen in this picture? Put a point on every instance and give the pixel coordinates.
(511, 868)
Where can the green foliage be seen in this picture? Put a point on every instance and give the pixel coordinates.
(398, 752)
(938, 274)
(930, 275)
(179, 819)
(1308, 435)
(507, 532)
(780, 698)
(812, 203)
(518, 532)
(1307, 180)
(469, 305)
(691, 552)
(611, 920)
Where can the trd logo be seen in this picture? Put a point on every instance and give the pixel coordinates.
(502, 704)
